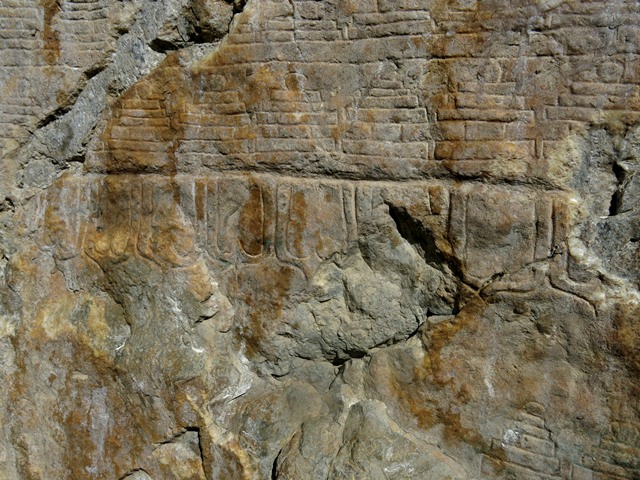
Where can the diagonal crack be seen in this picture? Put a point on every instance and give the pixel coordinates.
(423, 241)
(63, 135)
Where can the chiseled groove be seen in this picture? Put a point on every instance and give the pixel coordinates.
(337, 177)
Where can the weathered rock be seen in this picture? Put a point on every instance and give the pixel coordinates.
(338, 239)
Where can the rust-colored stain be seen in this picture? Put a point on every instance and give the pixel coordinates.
(144, 130)
(423, 410)
(200, 204)
(455, 432)
(298, 225)
(624, 338)
(442, 334)
(264, 289)
(255, 89)
(433, 373)
(338, 131)
(252, 222)
(74, 415)
(105, 432)
(51, 49)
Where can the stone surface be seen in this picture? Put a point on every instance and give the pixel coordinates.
(342, 239)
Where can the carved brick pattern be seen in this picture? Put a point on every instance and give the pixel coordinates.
(84, 32)
(616, 457)
(42, 45)
(20, 20)
(473, 98)
(526, 452)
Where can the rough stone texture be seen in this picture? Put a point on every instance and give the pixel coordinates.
(342, 239)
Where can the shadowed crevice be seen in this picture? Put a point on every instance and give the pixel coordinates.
(620, 173)
(414, 232)
(423, 241)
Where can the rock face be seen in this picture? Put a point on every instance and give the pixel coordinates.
(342, 239)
